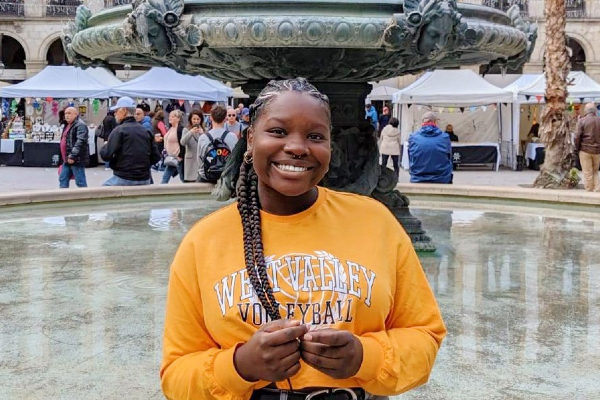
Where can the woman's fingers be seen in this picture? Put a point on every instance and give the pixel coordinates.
(323, 350)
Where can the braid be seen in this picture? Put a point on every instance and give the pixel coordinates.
(249, 209)
(275, 88)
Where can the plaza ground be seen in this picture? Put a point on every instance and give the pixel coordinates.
(18, 179)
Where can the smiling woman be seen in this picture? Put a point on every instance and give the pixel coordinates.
(287, 295)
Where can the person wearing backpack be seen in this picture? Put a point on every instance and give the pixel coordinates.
(215, 146)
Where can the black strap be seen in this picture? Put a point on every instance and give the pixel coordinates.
(224, 135)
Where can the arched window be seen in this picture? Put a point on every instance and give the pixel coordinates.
(56, 54)
(577, 55)
(13, 54)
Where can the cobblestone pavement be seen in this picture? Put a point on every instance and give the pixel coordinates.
(17, 179)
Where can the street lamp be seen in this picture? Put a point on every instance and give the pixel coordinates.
(127, 69)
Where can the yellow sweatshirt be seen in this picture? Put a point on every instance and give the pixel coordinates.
(344, 263)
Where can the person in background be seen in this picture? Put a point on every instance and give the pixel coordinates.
(189, 139)
(451, 134)
(390, 145)
(217, 117)
(141, 116)
(371, 112)
(173, 148)
(131, 148)
(384, 119)
(106, 127)
(159, 130)
(232, 125)
(74, 150)
(245, 118)
(587, 143)
(430, 153)
(534, 133)
(238, 111)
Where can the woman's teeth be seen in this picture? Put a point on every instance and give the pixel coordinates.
(291, 168)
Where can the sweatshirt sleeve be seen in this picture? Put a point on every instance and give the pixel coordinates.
(401, 357)
(194, 366)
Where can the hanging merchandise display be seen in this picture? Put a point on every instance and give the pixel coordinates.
(96, 107)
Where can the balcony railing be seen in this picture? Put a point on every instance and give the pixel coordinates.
(14, 8)
(116, 3)
(576, 9)
(62, 8)
(504, 5)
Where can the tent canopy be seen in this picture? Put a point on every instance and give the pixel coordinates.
(581, 87)
(382, 93)
(452, 88)
(65, 82)
(165, 83)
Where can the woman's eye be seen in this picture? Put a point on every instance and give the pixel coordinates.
(277, 131)
(316, 136)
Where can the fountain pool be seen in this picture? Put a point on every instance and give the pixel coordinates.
(82, 293)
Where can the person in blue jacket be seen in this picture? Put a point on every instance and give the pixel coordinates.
(430, 153)
(371, 112)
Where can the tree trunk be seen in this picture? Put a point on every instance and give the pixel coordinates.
(555, 126)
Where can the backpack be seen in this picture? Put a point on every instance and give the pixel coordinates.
(215, 157)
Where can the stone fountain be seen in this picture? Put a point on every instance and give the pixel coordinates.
(339, 45)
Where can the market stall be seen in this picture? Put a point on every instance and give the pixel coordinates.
(165, 83)
(479, 112)
(528, 104)
(44, 96)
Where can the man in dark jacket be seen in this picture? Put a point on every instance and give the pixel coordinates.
(106, 127)
(74, 150)
(430, 153)
(131, 149)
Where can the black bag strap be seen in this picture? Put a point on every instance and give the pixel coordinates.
(224, 135)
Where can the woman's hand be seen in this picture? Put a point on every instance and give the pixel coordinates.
(273, 353)
(335, 353)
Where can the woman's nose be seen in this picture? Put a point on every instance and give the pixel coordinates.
(296, 146)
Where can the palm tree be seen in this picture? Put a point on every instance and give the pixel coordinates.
(556, 124)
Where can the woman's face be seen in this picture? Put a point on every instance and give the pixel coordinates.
(196, 119)
(293, 124)
(173, 119)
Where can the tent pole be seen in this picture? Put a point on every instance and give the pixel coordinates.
(500, 127)
(512, 136)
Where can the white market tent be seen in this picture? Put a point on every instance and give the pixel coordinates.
(529, 91)
(64, 82)
(165, 83)
(581, 86)
(479, 111)
(382, 93)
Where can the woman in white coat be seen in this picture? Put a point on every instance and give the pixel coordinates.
(390, 145)
(189, 139)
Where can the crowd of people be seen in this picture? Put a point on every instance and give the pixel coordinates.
(137, 141)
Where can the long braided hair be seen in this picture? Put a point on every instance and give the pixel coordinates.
(247, 194)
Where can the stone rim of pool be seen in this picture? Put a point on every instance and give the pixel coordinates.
(431, 192)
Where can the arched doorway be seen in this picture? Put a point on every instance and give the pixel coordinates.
(577, 55)
(13, 54)
(56, 54)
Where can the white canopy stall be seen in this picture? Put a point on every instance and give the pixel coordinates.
(479, 111)
(165, 83)
(381, 93)
(63, 82)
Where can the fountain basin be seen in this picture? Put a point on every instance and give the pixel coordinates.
(323, 41)
(83, 285)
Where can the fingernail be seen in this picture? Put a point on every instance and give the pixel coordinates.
(308, 337)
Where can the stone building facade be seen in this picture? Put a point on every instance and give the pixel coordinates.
(31, 29)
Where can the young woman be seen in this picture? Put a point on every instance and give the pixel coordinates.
(390, 144)
(173, 148)
(296, 291)
(159, 129)
(189, 139)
